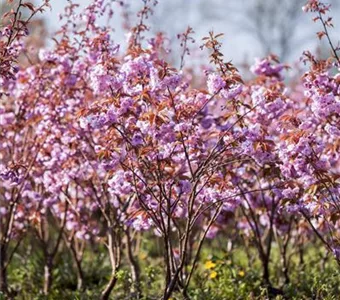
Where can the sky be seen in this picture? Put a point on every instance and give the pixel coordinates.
(227, 16)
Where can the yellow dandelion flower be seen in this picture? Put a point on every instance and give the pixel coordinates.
(213, 274)
(241, 273)
(209, 265)
(143, 255)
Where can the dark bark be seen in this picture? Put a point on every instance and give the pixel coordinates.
(114, 253)
(79, 269)
(109, 287)
(134, 266)
(3, 271)
(266, 273)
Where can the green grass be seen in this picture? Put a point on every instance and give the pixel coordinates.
(225, 276)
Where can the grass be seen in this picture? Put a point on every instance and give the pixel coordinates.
(220, 275)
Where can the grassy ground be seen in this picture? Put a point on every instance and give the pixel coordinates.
(220, 275)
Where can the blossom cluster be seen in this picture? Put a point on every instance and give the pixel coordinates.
(97, 143)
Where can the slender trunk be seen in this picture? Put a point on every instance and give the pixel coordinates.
(285, 269)
(80, 276)
(266, 256)
(114, 252)
(168, 262)
(266, 273)
(79, 269)
(109, 287)
(48, 276)
(171, 286)
(185, 295)
(134, 266)
(174, 285)
(285, 260)
(3, 271)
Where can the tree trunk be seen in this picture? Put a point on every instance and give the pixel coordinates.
(114, 252)
(80, 273)
(172, 286)
(48, 277)
(3, 271)
(266, 273)
(135, 269)
(80, 276)
(108, 289)
(285, 269)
